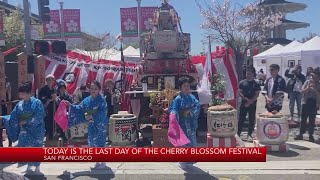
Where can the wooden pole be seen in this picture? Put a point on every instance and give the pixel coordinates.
(39, 72)
(3, 94)
(22, 68)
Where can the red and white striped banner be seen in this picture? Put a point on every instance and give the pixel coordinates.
(77, 69)
(224, 64)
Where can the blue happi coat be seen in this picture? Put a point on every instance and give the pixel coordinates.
(97, 130)
(32, 133)
(188, 124)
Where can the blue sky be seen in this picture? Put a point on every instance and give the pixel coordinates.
(98, 16)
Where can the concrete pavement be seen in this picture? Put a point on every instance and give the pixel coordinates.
(301, 162)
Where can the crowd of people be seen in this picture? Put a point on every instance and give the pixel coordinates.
(303, 90)
(31, 121)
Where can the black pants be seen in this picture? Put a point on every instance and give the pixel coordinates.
(251, 110)
(309, 110)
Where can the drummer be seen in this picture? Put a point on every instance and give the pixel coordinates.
(274, 89)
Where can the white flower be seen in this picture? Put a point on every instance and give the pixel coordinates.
(72, 26)
(52, 27)
(129, 25)
(148, 23)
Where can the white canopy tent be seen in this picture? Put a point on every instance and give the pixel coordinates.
(288, 62)
(308, 53)
(268, 57)
(96, 55)
(130, 54)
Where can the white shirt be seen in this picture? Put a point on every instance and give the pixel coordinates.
(270, 87)
(297, 86)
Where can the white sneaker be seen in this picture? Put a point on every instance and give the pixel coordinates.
(249, 138)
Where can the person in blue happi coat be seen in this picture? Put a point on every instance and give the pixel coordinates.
(25, 124)
(93, 110)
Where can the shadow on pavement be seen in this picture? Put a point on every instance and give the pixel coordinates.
(103, 174)
(11, 176)
(193, 172)
(294, 146)
(284, 154)
(35, 177)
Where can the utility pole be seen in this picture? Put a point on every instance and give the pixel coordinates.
(27, 32)
(27, 26)
(139, 25)
(62, 20)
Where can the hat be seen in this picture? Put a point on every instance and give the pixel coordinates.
(50, 76)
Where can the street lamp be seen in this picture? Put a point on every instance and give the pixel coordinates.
(139, 24)
(62, 20)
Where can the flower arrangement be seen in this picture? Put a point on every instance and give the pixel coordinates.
(168, 93)
(217, 87)
(155, 99)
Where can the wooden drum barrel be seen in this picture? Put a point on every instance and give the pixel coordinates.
(123, 129)
(78, 133)
(222, 121)
(272, 129)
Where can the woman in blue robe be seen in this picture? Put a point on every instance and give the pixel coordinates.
(186, 109)
(25, 124)
(93, 110)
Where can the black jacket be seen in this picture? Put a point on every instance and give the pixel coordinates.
(279, 85)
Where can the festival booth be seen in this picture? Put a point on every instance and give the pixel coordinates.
(307, 54)
(287, 62)
(268, 57)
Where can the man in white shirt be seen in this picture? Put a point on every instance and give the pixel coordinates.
(274, 89)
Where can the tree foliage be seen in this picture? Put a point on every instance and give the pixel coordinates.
(308, 37)
(95, 43)
(14, 29)
(238, 27)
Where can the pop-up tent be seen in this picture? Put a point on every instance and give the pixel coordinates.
(268, 57)
(308, 54)
(285, 61)
(130, 54)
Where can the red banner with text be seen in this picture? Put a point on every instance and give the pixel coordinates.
(133, 154)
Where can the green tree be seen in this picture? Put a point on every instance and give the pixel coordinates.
(14, 29)
(308, 37)
(14, 32)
